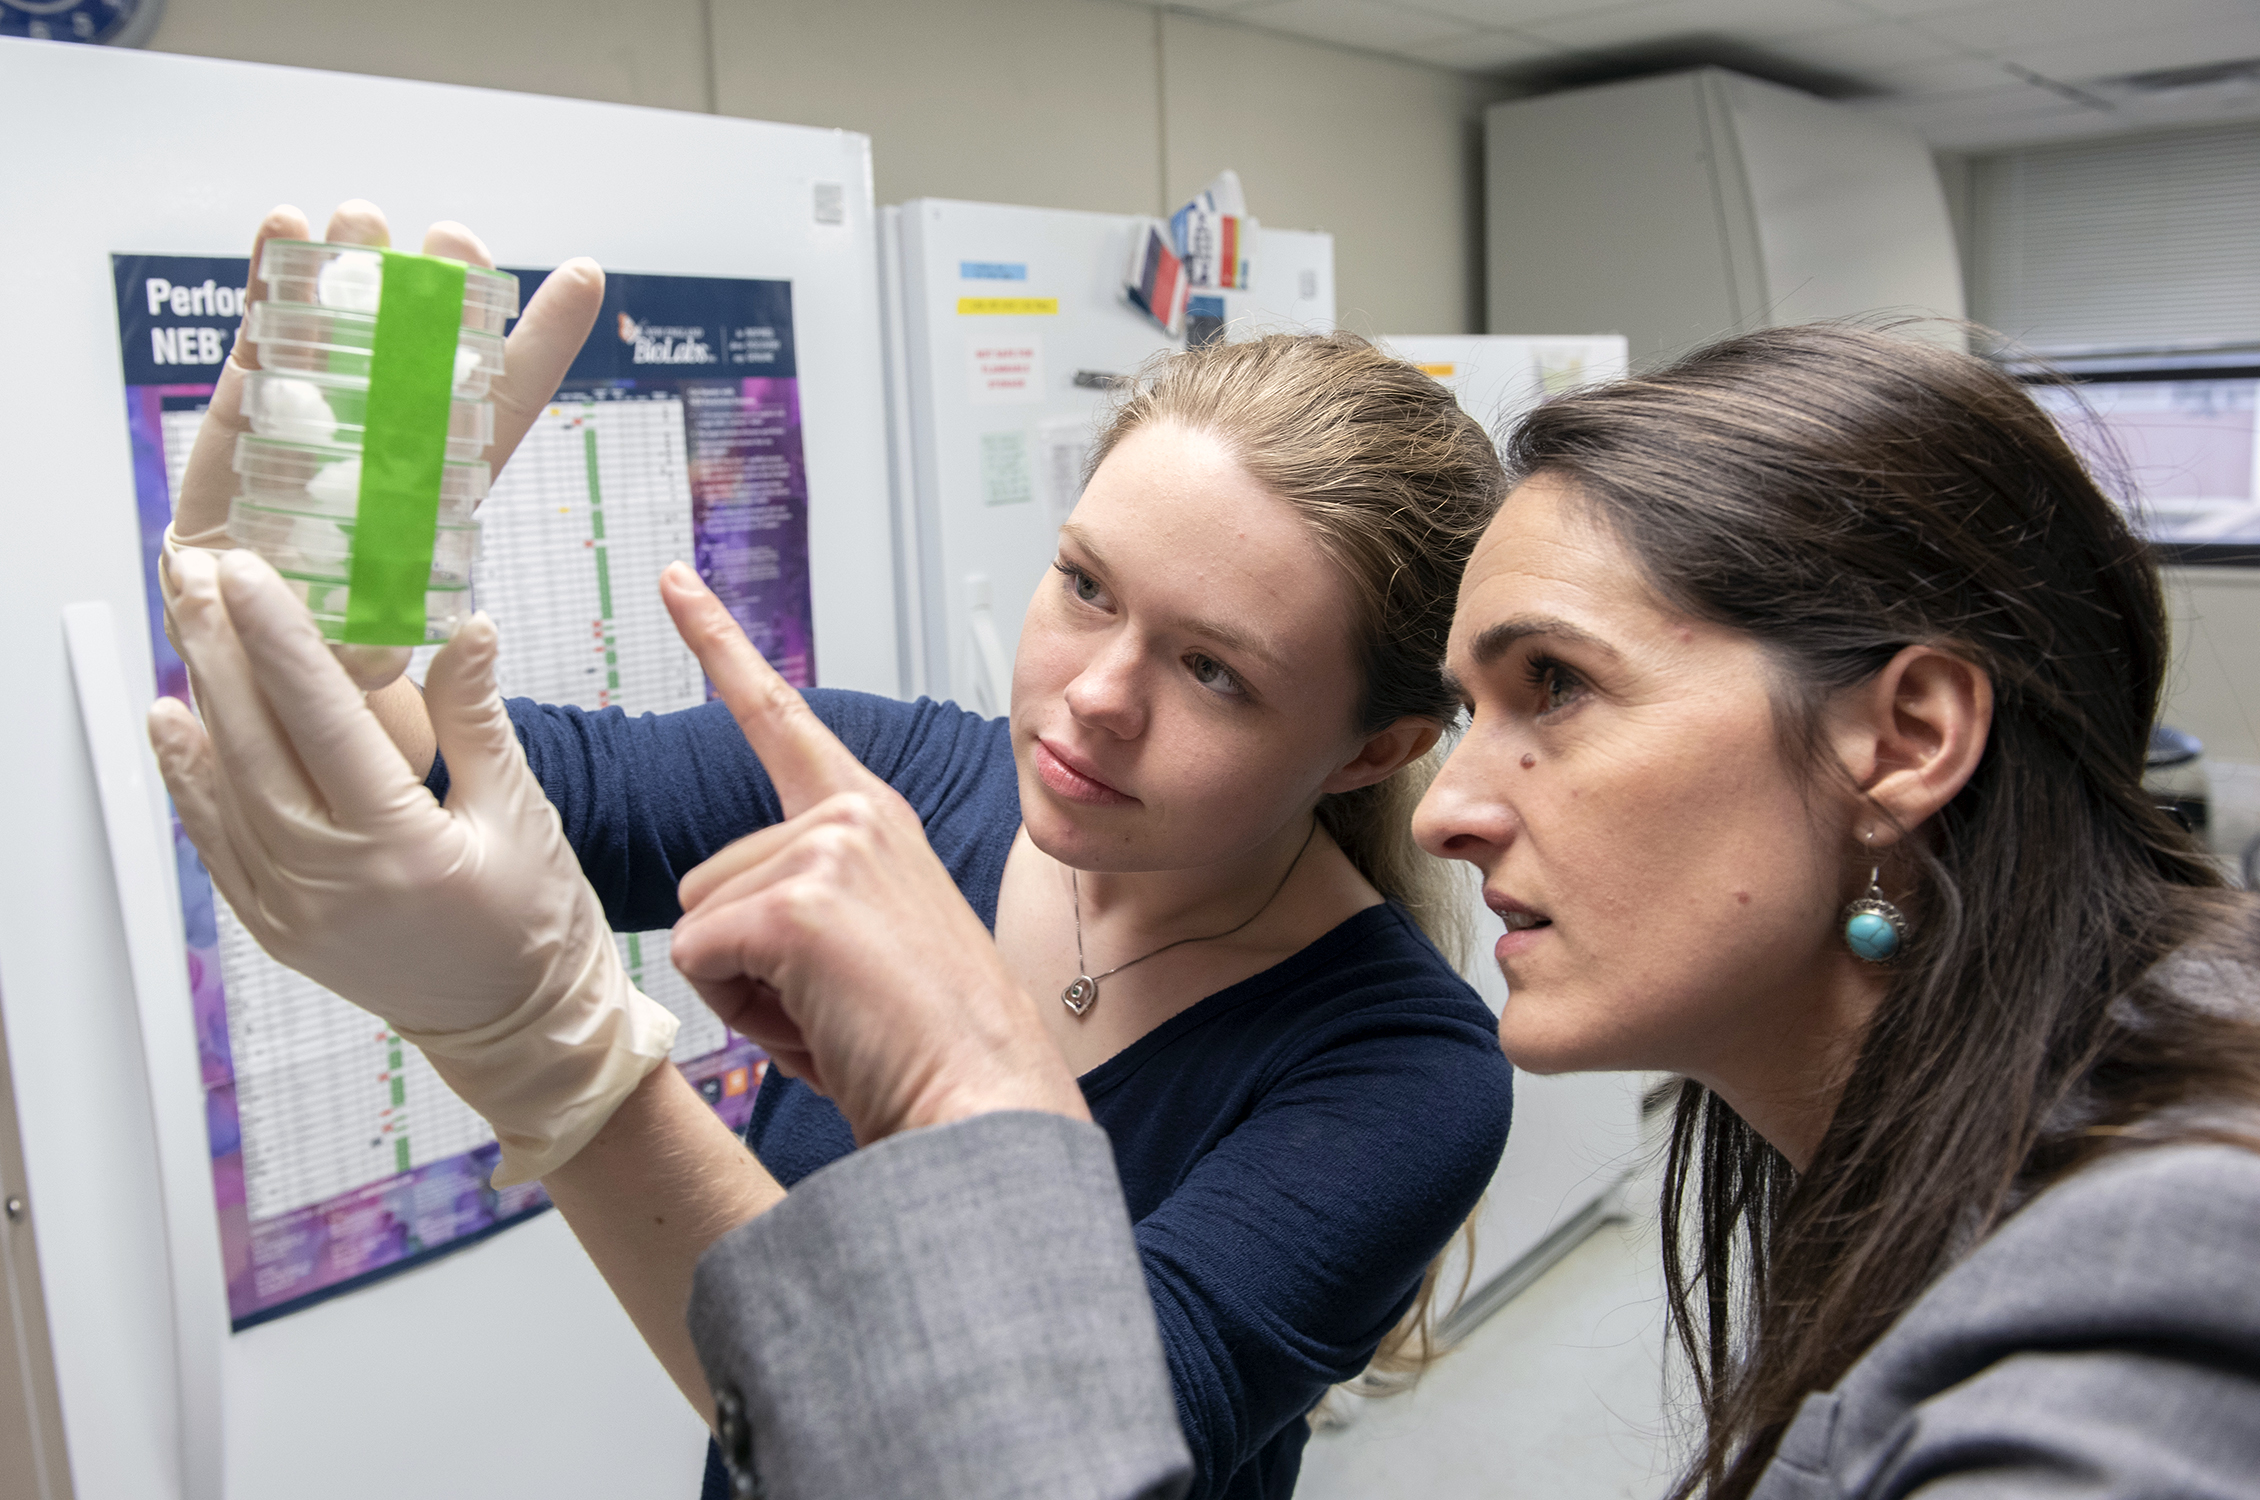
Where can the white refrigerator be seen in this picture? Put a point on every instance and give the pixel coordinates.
(1574, 1136)
(143, 1356)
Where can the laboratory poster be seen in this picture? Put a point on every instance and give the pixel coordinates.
(338, 1157)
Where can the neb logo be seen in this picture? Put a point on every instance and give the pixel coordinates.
(186, 346)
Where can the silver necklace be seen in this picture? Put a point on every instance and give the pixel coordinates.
(1084, 992)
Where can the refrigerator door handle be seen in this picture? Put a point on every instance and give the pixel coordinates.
(155, 946)
(992, 673)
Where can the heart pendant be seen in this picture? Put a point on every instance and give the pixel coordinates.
(1081, 995)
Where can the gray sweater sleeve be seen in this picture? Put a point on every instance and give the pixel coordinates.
(2104, 1343)
(957, 1311)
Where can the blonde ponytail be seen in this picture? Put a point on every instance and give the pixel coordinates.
(1373, 826)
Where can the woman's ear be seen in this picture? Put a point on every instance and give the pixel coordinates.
(1912, 735)
(1384, 754)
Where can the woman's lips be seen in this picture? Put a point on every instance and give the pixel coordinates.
(1515, 942)
(1066, 779)
(1526, 928)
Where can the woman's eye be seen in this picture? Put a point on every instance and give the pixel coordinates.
(1557, 685)
(1079, 583)
(1214, 675)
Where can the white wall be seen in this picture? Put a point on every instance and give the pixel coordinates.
(2213, 689)
(1385, 154)
(1091, 104)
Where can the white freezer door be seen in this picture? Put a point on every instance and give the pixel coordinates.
(1013, 327)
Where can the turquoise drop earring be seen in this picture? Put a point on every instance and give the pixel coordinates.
(1874, 929)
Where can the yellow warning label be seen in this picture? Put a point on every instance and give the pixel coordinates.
(1437, 372)
(968, 307)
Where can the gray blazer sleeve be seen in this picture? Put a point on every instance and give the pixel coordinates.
(2104, 1343)
(957, 1311)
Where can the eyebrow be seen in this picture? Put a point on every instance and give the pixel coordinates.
(1230, 637)
(1497, 640)
(1082, 539)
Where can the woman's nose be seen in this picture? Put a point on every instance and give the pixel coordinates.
(1107, 694)
(1464, 814)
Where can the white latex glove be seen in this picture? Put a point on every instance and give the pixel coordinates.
(836, 939)
(551, 331)
(469, 928)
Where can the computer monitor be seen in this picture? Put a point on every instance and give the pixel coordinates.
(2175, 440)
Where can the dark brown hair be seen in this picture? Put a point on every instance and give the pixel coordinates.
(1838, 493)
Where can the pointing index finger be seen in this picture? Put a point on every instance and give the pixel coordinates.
(805, 761)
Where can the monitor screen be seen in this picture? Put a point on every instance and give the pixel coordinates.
(2177, 448)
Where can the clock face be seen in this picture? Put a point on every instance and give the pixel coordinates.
(117, 23)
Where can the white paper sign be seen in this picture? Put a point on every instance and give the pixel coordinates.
(1005, 476)
(1063, 446)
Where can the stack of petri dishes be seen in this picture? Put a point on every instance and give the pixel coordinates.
(300, 465)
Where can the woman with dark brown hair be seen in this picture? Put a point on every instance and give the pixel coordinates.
(1811, 679)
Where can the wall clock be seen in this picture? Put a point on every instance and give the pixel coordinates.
(114, 23)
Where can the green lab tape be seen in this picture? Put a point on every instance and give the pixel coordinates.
(411, 383)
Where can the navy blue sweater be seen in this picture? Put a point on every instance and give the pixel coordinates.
(1294, 1149)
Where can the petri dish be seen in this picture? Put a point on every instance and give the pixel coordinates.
(350, 278)
(302, 340)
(324, 479)
(320, 548)
(445, 610)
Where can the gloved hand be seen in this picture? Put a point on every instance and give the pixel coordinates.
(469, 928)
(550, 332)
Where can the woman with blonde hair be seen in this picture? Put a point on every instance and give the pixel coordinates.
(1193, 830)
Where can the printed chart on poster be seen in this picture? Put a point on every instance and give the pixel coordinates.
(337, 1154)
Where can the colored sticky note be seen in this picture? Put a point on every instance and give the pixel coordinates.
(977, 307)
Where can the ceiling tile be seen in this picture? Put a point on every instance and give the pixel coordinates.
(1977, 117)
(1658, 20)
(1959, 74)
(2150, 49)
(1371, 24)
(2008, 26)
(1510, 14)
(1482, 51)
(1863, 50)
(1214, 7)
(1982, 130)
(1905, 9)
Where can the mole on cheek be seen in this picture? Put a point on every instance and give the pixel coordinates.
(1528, 761)
(1743, 897)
